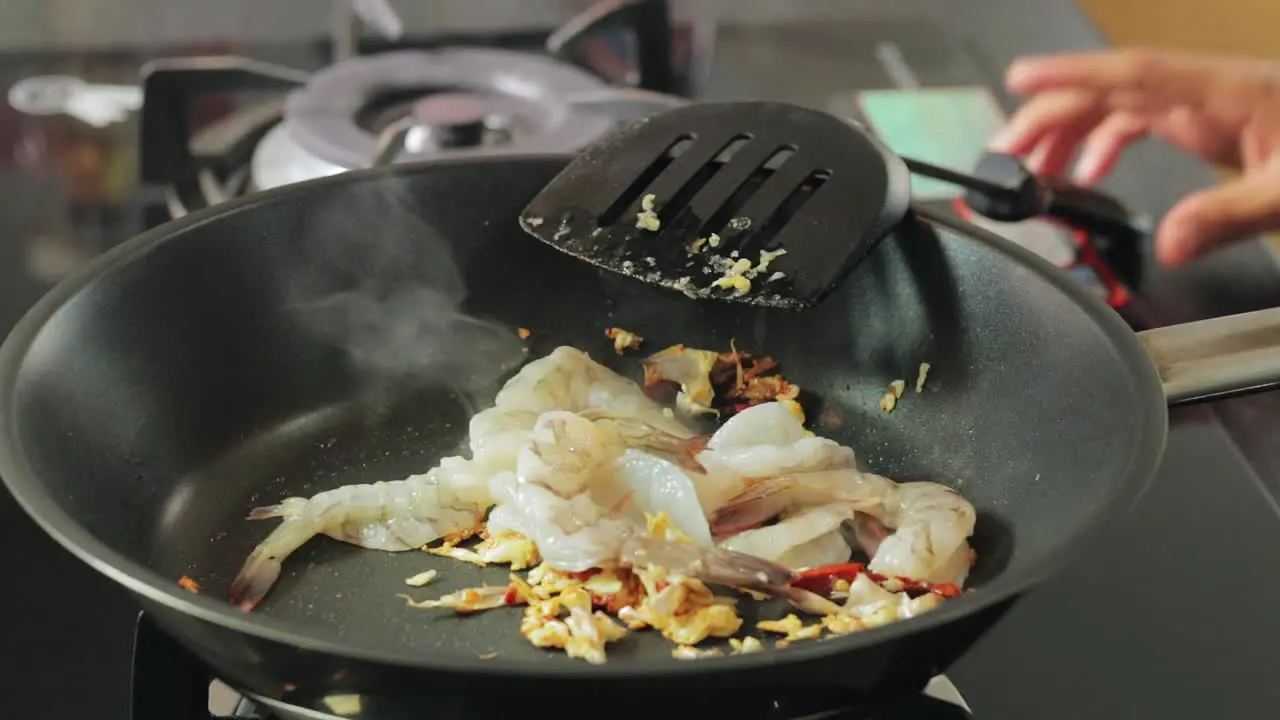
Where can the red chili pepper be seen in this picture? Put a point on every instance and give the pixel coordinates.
(946, 590)
(512, 595)
(822, 579)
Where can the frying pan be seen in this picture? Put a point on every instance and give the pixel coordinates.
(298, 339)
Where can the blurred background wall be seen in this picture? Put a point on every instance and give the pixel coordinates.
(1250, 27)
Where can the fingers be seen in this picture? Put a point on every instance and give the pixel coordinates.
(1104, 145)
(1064, 112)
(1049, 128)
(1052, 156)
(1210, 219)
(1198, 135)
(1176, 78)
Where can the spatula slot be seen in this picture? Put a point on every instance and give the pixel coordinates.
(724, 221)
(789, 208)
(669, 208)
(643, 180)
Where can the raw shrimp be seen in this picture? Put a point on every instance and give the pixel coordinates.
(393, 516)
(780, 468)
(554, 498)
(766, 440)
(810, 537)
(567, 379)
(930, 523)
(453, 497)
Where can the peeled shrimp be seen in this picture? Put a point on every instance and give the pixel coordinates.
(763, 441)
(779, 468)
(560, 497)
(393, 516)
(808, 538)
(555, 496)
(453, 497)
(929, 523)
(569, 380)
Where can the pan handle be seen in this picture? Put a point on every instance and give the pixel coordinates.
(1218, 358)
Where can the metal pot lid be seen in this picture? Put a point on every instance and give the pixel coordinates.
(467, 101)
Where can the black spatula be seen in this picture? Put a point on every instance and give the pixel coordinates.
(763, 203)
(767, 203)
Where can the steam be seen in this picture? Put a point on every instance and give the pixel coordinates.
(384, 285)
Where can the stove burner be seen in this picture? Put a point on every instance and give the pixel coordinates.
(455, 120)
(464, 91)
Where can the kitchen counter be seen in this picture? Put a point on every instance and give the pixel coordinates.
(1170, 617)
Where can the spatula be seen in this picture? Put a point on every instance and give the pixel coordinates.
(763, 203)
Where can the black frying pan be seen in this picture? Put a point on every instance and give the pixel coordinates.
(206, 367)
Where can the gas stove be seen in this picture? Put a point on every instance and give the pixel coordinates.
(407, 100)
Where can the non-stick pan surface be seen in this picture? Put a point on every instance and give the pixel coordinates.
(294, 341)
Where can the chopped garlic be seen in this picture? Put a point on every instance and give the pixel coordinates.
(623, 340)
(534, 221)
(696, 246)
(713, 240)
(767, 257)
(456, 553)
(739, 224)
(689, 652)
(793, 407)
(792, 627)
(920, 378)
(647, 219)
(842, 624)
(888, 402)
(739, 284)
(465, 601)
(421, 578)
(735, 278)
(897, 387)
(508, 548)
(776, 276)
(748, 644)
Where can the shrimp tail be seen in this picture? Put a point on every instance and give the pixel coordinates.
(808, 601)
(762, 500)
(262, 568)
(256, 577)
(266, 512)
(678, 451)
(735, 569)
(864, 531)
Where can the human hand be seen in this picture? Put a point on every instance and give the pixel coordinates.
(1225, 110)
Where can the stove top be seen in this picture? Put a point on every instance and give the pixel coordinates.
(1093, 643)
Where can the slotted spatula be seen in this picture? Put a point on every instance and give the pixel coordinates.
(757, 202)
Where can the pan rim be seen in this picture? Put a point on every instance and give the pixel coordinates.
(22, 482)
